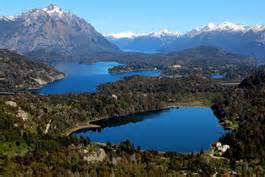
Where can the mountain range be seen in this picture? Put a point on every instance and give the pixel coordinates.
(143, 42)
(237, 38)
(51, 33)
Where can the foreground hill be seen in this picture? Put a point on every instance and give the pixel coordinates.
(236, 38)
(19, 73)
(243, 110)
(51, 33)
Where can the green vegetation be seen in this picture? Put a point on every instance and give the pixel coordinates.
(203, 60)
(32, 127)
(243, 109)
(18, 73)
(131, 68)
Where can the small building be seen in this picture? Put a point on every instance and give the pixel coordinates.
(218, 145)
(221, 148)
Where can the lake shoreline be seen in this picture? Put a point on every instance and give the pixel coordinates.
(89, 124)
(86, 78)
(116, 130)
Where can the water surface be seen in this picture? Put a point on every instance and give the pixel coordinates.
(218, 76)
(86, 77)
(177, 130)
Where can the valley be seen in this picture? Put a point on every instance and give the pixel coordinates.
(72, 103)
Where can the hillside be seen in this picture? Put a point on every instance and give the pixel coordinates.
(19, 73)
(243, 110)
(205, 55)
(200, 56)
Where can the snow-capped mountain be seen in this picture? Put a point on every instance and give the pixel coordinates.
(51, 33)
(143, 42)
(238, 38)
(131, 35)
(6, 18)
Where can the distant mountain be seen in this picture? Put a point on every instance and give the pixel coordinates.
(143, 42)
(202, 56)
(19, 73)
(208, 56)
(237, 38)
(51, 33)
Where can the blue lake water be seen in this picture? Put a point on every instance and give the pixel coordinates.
(218, 76)
(176, 130)
(85, 77)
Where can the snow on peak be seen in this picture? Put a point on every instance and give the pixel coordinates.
(257, 28)
(7, 18)
(212, 27)
(53, 9)
(131, 35)
(122, 35)
(162, 33)
(226, 26)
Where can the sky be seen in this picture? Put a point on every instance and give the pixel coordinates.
(113, 16)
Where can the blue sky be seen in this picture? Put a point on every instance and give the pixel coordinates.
(111, 16)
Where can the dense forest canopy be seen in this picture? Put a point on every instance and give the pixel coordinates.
(245, 108)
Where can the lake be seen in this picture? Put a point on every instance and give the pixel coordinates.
(185, 129)
(218, 76)
(178, 130)
(86, 77)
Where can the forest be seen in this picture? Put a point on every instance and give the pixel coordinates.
(243, 110)
(132, 95)
(32, 127)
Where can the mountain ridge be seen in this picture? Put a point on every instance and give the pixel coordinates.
(236, 38)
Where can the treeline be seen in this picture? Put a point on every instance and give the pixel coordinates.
(166, 85)
(131, 68)
(230, 73)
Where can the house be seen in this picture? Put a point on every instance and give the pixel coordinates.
(221, 148)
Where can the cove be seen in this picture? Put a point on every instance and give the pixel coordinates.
(86, 77)
(185, 129)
